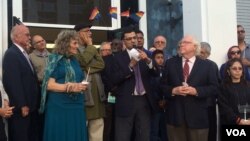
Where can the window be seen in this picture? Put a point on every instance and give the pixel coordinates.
(65, 13)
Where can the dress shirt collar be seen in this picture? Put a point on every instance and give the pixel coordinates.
(191, 60)
(20, 48)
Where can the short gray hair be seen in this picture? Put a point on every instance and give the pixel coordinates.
(206, 46)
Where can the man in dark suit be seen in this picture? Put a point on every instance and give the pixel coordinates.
(21, 84)
(133, 106)
(187, 82)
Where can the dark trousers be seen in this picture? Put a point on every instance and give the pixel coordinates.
(158, 127)
(109, 123)
(2, 131)
(24, 128)
(139, 120)
(212, 117)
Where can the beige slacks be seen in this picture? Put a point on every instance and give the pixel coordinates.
(95, 129)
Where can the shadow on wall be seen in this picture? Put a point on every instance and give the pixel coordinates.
(165, 17)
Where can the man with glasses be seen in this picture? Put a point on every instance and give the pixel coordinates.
(133, 98)
(187, 82)
(244, 46)
(39, 55)
(105, 49)
(160, 43)
(92, 64)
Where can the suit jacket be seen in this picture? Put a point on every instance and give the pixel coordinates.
(124, 79)
(90, 58)
(19, 81)
(191, 110)
(107, 74)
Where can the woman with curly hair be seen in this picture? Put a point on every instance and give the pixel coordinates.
(62, 92)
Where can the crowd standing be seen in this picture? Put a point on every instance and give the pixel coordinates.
(121, 91)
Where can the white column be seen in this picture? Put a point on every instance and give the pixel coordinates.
(3, 31)
(214, 22)
(143, 22)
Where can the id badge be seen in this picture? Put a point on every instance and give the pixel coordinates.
(111, 99)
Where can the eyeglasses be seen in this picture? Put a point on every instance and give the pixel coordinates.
(159, 42)
(88, 30)
(185, 42)
(236, 68)
(38, 42)
(241, 31)
(105, 49)
(234, 52)
(130, 38)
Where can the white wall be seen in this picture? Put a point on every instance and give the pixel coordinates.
(3, 31)
(212, 21)
(143, 21)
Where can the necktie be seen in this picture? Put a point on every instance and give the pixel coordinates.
(138, 85)
(28, 59)
(186, 70)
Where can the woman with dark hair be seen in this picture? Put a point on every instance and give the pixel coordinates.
(62, 92)
(235, 95)
(233, 52)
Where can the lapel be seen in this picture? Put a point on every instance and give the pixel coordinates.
(179, 69)
(126, 57)
(23, 58)
(194, 70)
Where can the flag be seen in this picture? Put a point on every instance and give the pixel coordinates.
(125, 13)
(95, 14)
(113, 12)
(137, 16)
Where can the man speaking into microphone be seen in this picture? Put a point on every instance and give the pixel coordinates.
(133, 99)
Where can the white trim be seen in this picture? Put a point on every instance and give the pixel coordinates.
(143, 21)
(3, 30)
(116, 23)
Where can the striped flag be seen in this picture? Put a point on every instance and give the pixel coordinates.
(113, 12)
(125, 13)
(95, 14)
(137, 16)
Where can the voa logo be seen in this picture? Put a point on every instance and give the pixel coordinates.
(236, 132)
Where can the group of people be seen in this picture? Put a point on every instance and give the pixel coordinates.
(131, 93)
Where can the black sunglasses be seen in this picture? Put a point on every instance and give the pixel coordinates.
(241, 31)
(234, 52)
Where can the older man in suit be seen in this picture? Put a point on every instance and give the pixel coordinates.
(187, 82)
(21, 84)
(133, 105)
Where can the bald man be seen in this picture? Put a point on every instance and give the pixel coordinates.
(160, 43)
(39, 56)
(21, 84)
